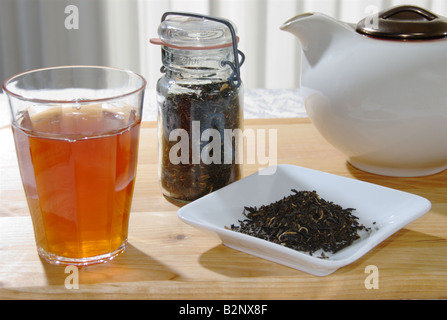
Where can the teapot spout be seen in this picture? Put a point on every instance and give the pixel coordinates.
(317, 32)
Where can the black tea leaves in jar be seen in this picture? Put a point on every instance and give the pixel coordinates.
(200, 106)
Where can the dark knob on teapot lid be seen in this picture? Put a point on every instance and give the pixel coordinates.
(404, 23)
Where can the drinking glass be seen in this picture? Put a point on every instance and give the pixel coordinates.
(76, 133)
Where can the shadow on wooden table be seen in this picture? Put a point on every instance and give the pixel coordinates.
(404, 251)
(237, 264)
(131, 266)
(424, 186)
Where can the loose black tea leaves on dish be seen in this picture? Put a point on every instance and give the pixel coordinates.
(303, 221)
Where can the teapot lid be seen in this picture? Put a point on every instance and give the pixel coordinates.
(404, 23)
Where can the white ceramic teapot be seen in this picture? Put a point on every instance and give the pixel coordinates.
(377, 90)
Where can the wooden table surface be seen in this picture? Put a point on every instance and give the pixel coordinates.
(167, 259)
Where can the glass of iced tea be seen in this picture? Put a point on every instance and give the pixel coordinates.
(76, 132)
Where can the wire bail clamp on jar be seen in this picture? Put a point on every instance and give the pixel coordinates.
(235, 77)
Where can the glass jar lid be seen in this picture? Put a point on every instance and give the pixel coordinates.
(192, 32)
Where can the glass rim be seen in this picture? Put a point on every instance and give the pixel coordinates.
(39, 100)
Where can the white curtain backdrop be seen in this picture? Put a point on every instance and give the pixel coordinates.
(117, 32)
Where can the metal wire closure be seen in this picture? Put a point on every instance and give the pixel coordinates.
(235, 77)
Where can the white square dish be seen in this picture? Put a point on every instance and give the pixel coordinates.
(382, 209)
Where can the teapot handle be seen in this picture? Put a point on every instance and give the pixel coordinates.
(413, 13)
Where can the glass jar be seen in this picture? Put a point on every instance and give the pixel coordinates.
(200, 106)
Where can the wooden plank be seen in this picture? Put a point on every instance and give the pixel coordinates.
(167, 259)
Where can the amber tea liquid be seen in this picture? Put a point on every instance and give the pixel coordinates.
(78, 167)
